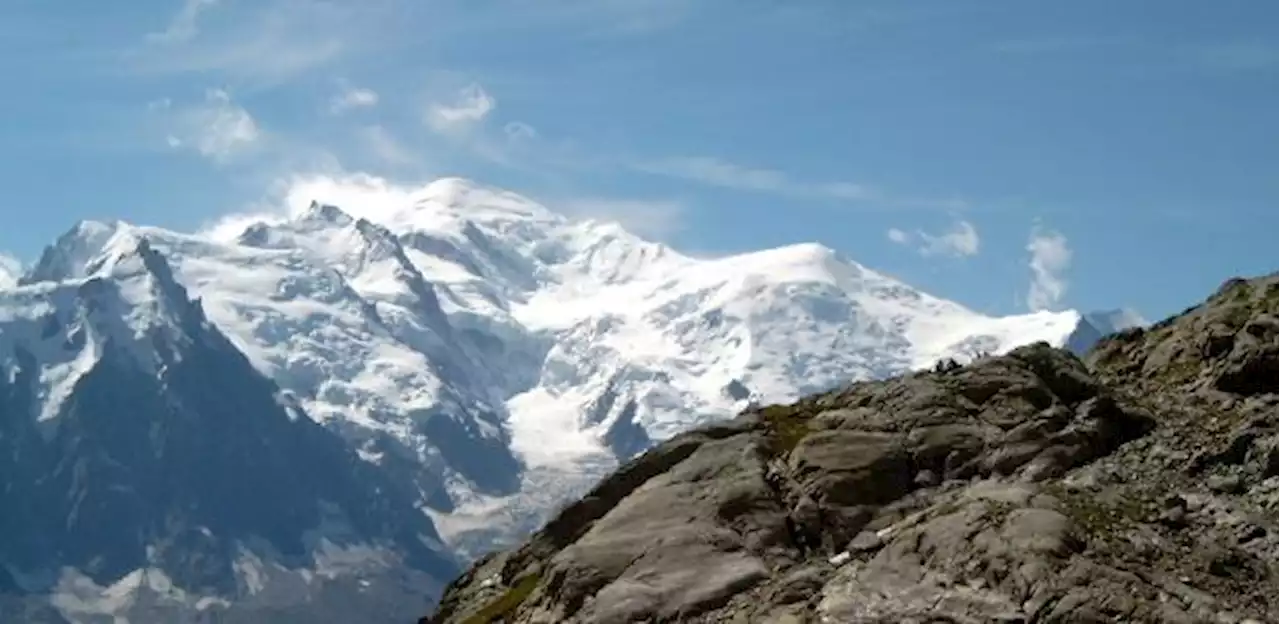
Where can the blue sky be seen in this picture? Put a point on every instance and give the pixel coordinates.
(1000, 153)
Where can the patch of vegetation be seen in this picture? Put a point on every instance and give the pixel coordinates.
(1242, 292)
(1180, 370)
(1099, 519)
(1239, 314)
(1272, 294)
(507, 603)
(786, 426)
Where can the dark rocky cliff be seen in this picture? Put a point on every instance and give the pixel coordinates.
(1138, 485)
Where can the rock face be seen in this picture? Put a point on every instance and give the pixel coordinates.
(1138, 485)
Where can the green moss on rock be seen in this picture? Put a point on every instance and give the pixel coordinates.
(1104, 520)
(786, 426)
(507, 603)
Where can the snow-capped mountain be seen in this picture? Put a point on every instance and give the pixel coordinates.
(473, 352)
(150, 472)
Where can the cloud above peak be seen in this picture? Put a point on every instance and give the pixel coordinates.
(468, 107)
(395, 204)
(651, 218)
(358, 194)
(1050, 259)
(721, 173)
(959, 241)
(217, 128)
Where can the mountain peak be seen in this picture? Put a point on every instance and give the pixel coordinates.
(482, 204)
(70, 255)
(326, 213)
(1118, 319)
(806, 254)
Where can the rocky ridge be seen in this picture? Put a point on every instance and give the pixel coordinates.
(1137, 485)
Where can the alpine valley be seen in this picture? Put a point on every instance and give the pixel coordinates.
(324, 417)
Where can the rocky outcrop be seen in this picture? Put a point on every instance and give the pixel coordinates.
(1138, 485)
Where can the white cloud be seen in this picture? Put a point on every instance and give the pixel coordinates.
(470, 106)
(184, 24)
(960, 241)
(216, 128)
(10, 270)
(358, 194)
(228, 228)
(1050, 259)
(352, 98)
(724, 174)
(265, 42)
(390, 203)
(653, 218)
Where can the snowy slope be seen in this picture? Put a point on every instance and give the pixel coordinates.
(516, 353)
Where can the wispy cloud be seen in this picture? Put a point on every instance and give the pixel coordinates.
(359, 194)
(724, 174)
(351, 98)
(519, 131)
(960, 241)
(184, 24)
(386, 147)
(1050, 259)
(1046, 44)
(1235, 55)
(465, 118)
(217, 127)
(653, 218)
(468, 107)
(264, 42)
(385, 201)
